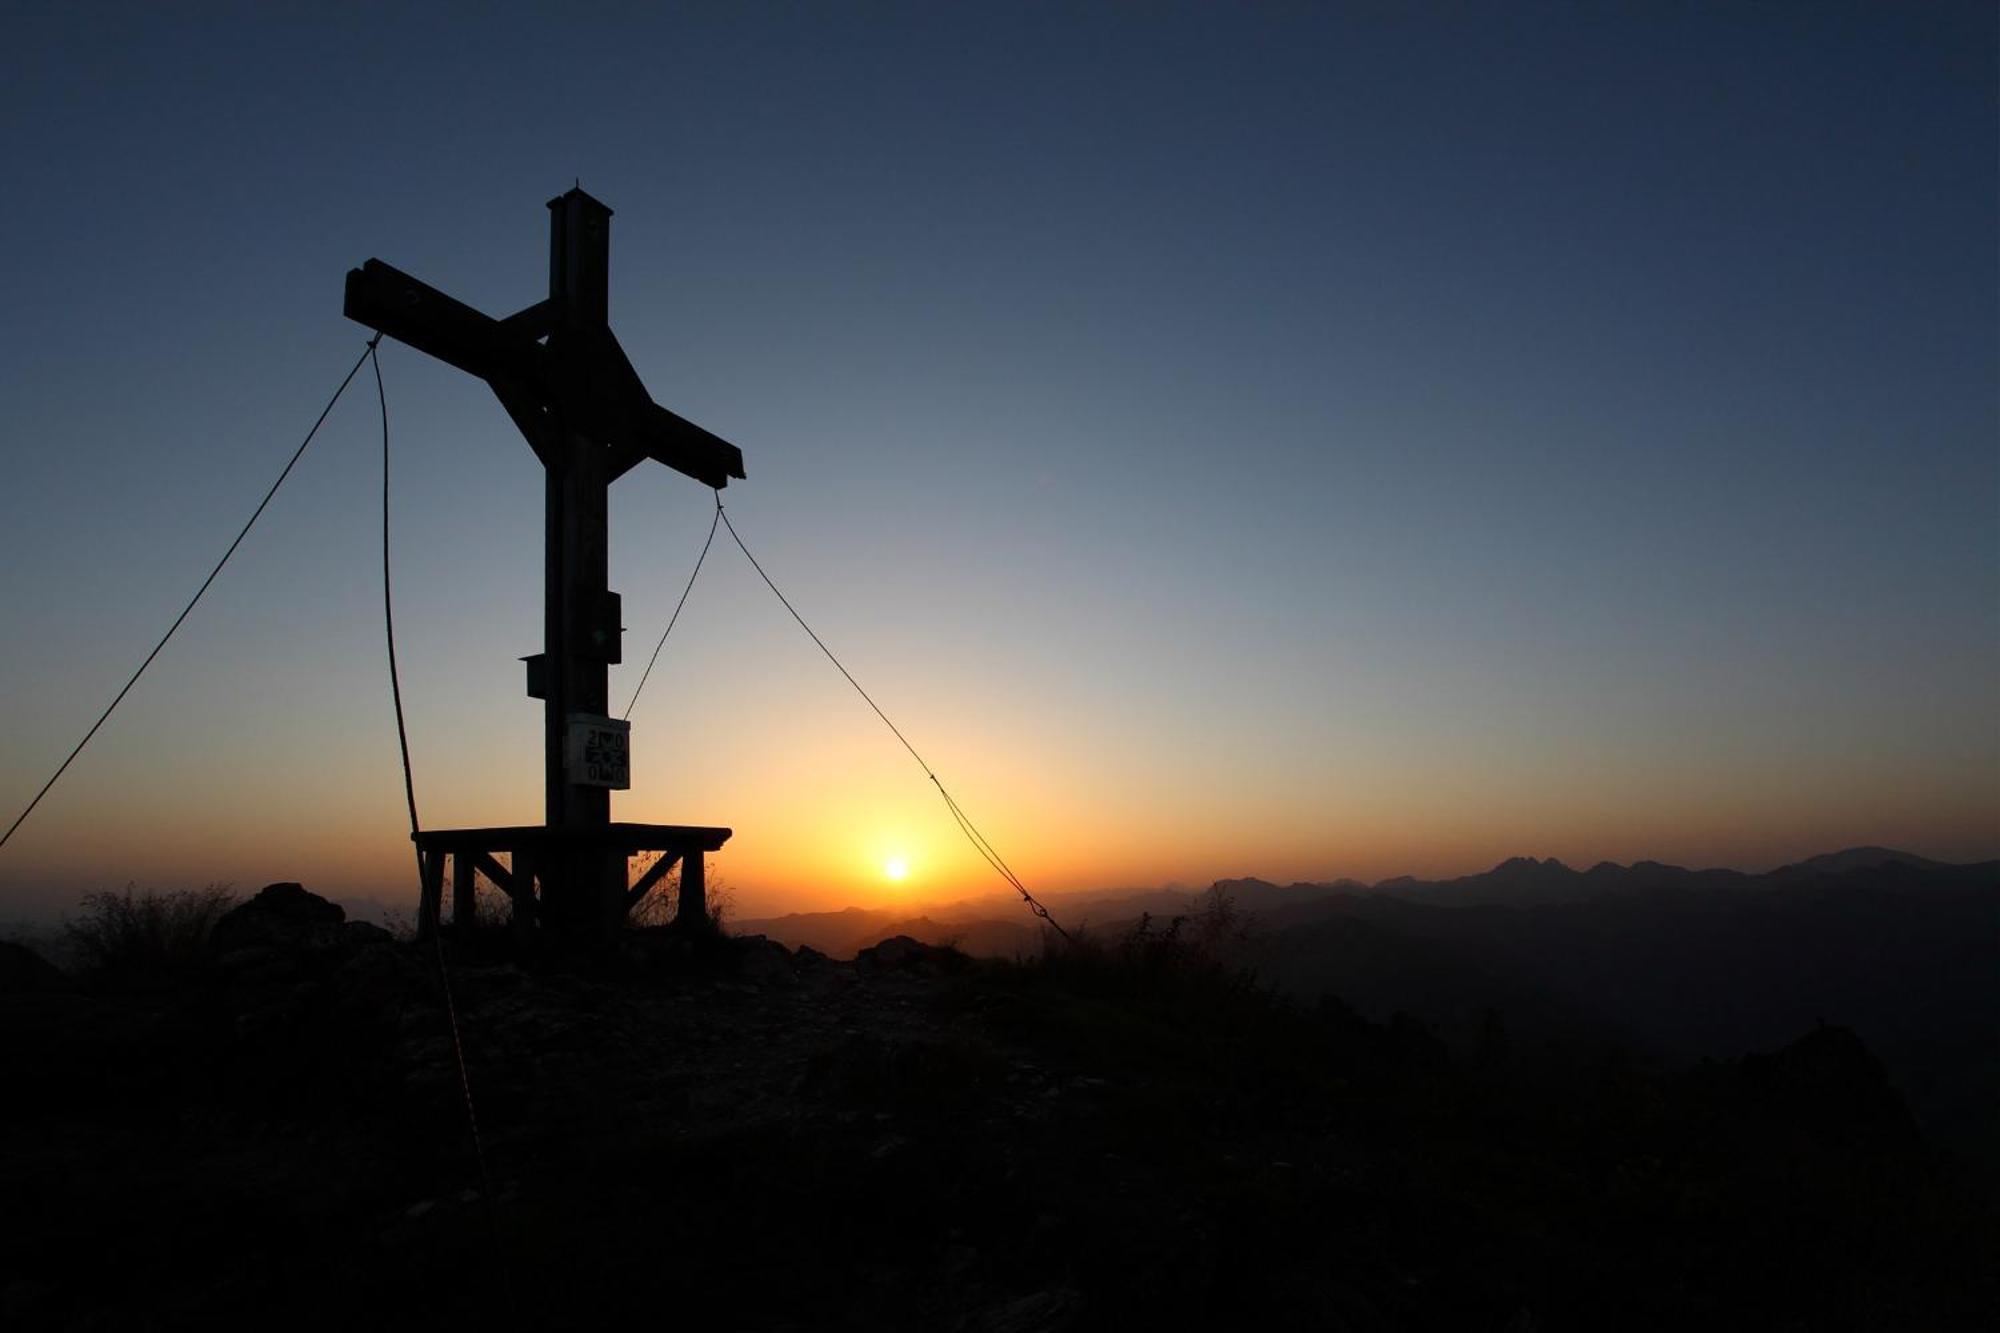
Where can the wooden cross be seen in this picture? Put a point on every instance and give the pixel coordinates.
(559, 372)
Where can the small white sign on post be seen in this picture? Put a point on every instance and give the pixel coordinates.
(599, 752)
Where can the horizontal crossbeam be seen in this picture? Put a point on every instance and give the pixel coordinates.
(392, 302)
(629, 839)
(574, 382)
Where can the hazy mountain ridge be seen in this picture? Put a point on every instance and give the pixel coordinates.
(1520, 881)
(845, 933)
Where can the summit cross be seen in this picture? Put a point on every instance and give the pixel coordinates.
(559, 372)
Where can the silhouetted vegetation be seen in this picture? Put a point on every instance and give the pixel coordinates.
(144, 938)
(659, 907)
(1198, 950)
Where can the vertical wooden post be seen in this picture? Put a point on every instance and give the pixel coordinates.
(692, 912)
(522, 871)
(611, 907)
(577, 570)
(578, 642)
(464, 894)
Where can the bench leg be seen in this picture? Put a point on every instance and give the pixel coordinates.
(522, 894)
(612, 872)
(692, 914)
(464, 899)
(430, 899)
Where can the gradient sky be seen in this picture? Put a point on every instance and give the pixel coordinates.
(1279, 440)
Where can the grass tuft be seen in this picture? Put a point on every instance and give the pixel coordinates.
(140, 938)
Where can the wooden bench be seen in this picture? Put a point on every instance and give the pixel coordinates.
(559, 859)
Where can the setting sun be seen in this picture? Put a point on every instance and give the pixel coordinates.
(896, 868)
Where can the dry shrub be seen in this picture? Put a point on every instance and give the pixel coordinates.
(131, 937)
(1204, 951)
(659, 907)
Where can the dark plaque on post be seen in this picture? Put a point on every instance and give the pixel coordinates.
(600, 752)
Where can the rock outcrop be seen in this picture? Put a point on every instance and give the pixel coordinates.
(281, 916)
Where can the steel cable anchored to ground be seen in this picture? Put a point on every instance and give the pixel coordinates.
(965, 825)
(251, 522)
(410, 795)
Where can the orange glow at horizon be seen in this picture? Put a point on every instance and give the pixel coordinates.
(1078, 789)
(808, 845)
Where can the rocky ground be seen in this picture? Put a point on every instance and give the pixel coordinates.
(736, 1136)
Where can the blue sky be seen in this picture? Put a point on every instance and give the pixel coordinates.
(1300, 440)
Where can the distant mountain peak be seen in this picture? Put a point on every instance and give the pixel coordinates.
(1852, 858)
(1247, 884)
(1525, 865)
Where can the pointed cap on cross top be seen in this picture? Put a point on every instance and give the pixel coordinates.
(583, 197)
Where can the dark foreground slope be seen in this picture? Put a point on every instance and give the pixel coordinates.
(1694, 963)
(732, 1136)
